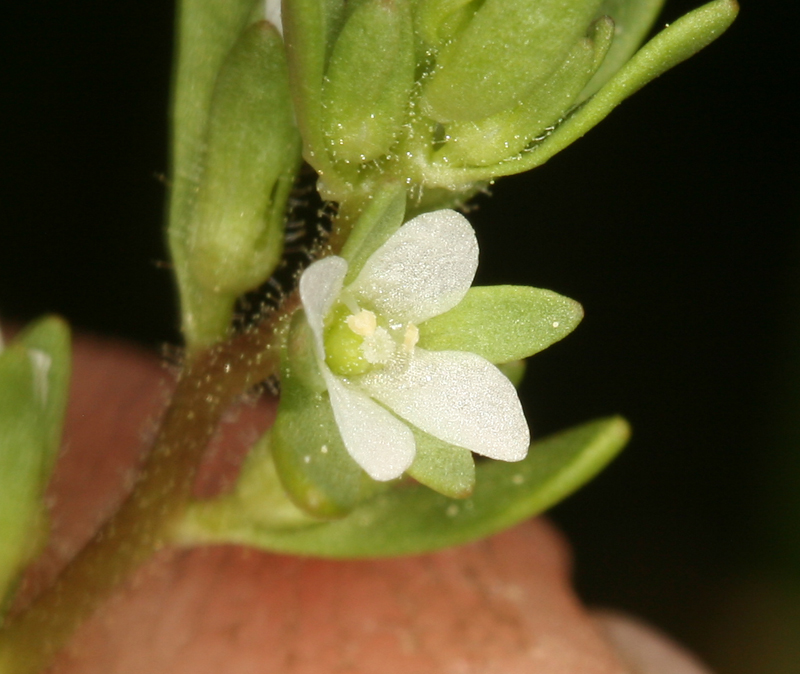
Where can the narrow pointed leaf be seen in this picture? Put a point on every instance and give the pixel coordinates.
(676, 43)
(413, 519)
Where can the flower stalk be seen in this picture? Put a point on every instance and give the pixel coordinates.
(208, 385)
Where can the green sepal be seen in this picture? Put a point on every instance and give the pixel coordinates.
(443, 467)
(253, 153)
(310, 28)
(412, 519)
(502, 323)
(34, 386)
(310, 457)
(633, 19)
(503, 56)
(368, 81)
(382, 217)
(501, 136)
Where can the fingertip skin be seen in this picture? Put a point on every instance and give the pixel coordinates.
(501, 605)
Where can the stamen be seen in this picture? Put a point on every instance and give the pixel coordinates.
(364, 323)
(411, 338)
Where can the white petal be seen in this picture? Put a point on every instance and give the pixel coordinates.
(458, 397)
(320, 285)
(379, 442)
(423, 270)
(272, 13)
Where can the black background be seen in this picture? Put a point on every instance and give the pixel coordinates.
(674, 223)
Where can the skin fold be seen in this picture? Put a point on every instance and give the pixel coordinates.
(499, 606)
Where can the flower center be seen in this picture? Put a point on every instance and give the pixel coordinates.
(357, 341)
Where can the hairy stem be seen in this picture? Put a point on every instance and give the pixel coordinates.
(209, 383)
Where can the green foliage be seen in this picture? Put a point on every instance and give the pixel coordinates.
(505, 53)
(506, 133)
(206, 32)
(502, 323)
(443, 467)
(253, 151)
(413, 519)
(369, 80)
(680, 40)
(34, 382)
(632, 19)
(381, 218)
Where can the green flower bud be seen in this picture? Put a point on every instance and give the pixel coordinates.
(368, 81)
(253, 153)
(505, 53)
(34, 381)
(506, 134)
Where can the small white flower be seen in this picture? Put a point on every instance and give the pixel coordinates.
(423, 270)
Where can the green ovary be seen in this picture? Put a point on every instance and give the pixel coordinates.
(356, 342)
(344, 351)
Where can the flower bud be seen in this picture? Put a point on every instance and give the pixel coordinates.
(252, 154)
(505, 53)
(506, 134)
(368, 81)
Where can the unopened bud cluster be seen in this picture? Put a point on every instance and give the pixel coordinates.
(411, 88)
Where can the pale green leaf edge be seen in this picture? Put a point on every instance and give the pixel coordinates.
(412, 519)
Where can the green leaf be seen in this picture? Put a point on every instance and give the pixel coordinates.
(503, 56)
(443, 467)
(253, 153)
(51, 336)
(680, 40)
(34, 383)
(502, 323)
(412, 519)
(633, 19)
(368, 81)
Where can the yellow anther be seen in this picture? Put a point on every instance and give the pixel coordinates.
(364, 323)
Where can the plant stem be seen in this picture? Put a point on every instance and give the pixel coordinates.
(209, 383)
